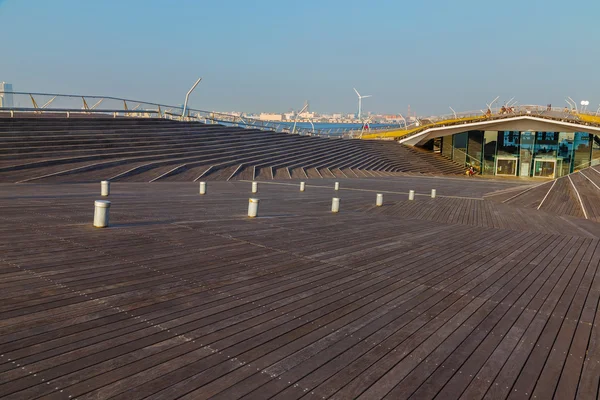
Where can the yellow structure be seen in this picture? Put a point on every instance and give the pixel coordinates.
(398, 133)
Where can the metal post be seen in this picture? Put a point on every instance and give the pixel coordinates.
(302, 186)
(411, 195)
(101, 213)
(379, 201)
(433, 193)
(574, 104)
(335, 205)
(105, 188)
(254, 187)
(297, 115)
(50, 102)
(405, 123)
(253, 207)
(454, 112)
(187, 96)
(492, 103)
(202, 187)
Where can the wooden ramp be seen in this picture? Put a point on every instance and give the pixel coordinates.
(82, 150)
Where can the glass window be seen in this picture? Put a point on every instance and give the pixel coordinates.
(506, 166)
(490, 139)
(564, 157)
(546, 145)
(460, 148)
(508, 152)
(544, 168)
(526, 153)
(475, 150)
(544, 154)
(595, 150)
(581, 151)
(447, 146)
(508, 144)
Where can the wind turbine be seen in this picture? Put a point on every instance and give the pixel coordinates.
(360, 102)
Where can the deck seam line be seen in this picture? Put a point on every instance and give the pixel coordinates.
(586, 177)
(524, 191)
(544, 199)
(579, 197)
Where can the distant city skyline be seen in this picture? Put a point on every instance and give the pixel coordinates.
(270, 56)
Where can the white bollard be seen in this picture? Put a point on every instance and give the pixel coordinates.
(104, 188)
(379, 201)
(411, 194)
(433, 193)
(101, 213)
(337, 186)
(302, 185)
(253, 207)
(202, 187)
(335, 204)
(254, 187)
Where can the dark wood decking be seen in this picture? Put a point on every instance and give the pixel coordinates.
(185, 297)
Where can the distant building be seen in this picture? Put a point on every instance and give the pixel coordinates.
(391, 118)
(307, 115)
(6, 99)
(270, 117)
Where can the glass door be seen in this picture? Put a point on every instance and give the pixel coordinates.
(506, 166)
(526, 153)
(544, 168)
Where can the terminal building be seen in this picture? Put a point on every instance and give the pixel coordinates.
(546, 144)
(523, 153)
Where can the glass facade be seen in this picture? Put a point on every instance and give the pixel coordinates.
(490, 143)
(459, 144)
(527, 154)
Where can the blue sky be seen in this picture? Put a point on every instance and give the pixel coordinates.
(268, 55)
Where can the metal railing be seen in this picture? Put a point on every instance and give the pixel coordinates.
(469, 159)
(74, 104)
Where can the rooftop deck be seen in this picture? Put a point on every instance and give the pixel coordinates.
(185, 297)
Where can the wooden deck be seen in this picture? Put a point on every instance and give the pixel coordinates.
(185, 297)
